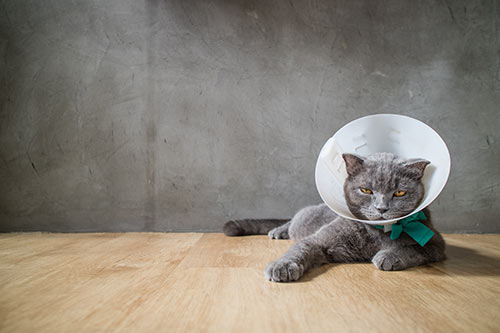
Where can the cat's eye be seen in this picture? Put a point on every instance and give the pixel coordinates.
(399, 193)
(366, 190)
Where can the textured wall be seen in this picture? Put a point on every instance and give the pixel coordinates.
(129, 115)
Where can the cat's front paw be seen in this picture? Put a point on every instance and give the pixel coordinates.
(278, 233)
(284, 270)
(388, 261)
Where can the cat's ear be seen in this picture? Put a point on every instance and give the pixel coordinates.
(416, 167)
(353, 163)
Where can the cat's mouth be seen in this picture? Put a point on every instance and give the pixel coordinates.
(376, 216)
(390, 216)
(370, 216)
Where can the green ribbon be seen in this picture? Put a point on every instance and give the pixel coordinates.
(413, 227)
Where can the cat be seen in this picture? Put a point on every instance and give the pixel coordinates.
(379, 186)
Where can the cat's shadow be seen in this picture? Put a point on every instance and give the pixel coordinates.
(461, 261)
(464, 261)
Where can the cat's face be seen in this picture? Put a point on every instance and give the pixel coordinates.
(383, 186)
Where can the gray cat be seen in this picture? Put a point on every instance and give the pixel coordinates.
(381, 186)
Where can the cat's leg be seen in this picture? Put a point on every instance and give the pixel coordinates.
(302, 256)
(338, 241)
(280, 232)
(399, 258)
(305, 254)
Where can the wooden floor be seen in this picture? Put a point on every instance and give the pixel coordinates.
(150, 282)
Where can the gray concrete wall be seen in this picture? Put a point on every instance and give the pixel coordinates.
(128, 115)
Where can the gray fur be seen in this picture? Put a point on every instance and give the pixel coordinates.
(323, 237)
(251, 226)
(384, 173)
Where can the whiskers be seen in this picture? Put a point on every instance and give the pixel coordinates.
(371, 214)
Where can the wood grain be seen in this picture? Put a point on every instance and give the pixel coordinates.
(147, 282)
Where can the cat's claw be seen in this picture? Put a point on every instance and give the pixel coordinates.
(283, 270)
(388, 261)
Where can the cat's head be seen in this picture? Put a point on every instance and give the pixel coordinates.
(383, 186)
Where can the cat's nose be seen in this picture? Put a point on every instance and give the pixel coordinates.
(382, 210)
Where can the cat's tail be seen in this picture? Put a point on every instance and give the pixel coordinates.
(251, 226)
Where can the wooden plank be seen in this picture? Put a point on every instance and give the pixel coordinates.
(212, 283)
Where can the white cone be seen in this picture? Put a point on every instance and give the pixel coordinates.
(390, 133)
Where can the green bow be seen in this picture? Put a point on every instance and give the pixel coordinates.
(413, 227)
